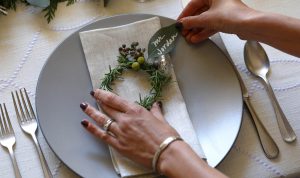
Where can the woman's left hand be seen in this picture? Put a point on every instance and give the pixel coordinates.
(136, 132)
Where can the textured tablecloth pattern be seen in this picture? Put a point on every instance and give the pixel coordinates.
(26, 41)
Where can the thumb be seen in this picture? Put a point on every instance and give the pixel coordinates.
(157, 111)
(198, 21)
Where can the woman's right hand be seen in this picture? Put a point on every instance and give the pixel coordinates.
(203, 18)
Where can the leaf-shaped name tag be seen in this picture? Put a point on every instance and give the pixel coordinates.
(162, 42)
(39, 3)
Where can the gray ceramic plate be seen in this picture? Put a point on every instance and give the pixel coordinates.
(205, 76)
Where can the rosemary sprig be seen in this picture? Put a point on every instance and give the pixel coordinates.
(49, 11)
(133, 58)
(110, 77)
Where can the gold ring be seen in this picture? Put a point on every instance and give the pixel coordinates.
(107, 124)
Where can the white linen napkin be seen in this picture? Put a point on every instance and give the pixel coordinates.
(101, 50)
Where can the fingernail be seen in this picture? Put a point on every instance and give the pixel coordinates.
(92, 93)
(85, 123)
(83, 106)
(179, 25)
(159, 104)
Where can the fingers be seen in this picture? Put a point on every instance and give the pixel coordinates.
(192, 33)
(93, 113)
(185, 32)
(96, 131)
(198, 21)
(192, 8)
(156, 110)
(112, 100)
(112, 113)
(99, 117)
(198, 36)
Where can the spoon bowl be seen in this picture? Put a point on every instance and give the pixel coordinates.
(256, 59)
(257, 62)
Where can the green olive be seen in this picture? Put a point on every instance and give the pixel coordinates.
(141, 60)
(135, 66)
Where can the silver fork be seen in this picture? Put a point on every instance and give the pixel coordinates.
(3, 10)
(27, 121)
(7, 137)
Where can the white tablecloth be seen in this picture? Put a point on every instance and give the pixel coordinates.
(26, 41)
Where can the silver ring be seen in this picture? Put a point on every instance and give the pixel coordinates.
(107, 124)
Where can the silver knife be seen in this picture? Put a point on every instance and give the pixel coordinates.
(268, 145)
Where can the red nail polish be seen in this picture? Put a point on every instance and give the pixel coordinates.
(85, 123)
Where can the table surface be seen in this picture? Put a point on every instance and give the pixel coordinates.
(26, 41)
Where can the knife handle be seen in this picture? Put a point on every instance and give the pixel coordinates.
(268, 145)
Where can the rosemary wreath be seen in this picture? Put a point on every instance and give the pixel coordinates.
(132, 58)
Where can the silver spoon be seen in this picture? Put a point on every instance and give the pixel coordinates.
(257, 62)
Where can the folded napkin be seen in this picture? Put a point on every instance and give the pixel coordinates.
(101, 50)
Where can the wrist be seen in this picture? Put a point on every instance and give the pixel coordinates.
(166, 159)
(179, 160)
(249, 26)
(162, 147)
(246, 26)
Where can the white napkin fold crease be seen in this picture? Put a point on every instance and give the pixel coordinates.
(101, 50)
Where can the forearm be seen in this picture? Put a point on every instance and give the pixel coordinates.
(276, 30)
(180, 161)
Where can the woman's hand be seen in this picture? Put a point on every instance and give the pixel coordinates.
(202, 18)
(137, 132)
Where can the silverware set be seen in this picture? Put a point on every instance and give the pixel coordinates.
(267, 143)
(28, 123)
(258, 64)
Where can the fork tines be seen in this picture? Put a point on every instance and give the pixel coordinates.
(5, 124)
(3, 10)
(23, 105)
(7, 137)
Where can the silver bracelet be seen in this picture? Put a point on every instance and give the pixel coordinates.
(161, 148)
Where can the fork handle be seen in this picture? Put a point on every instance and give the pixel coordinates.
(45, 167)
(269, 146)
(15, 165)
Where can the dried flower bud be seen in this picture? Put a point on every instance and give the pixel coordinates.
(123, 45)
